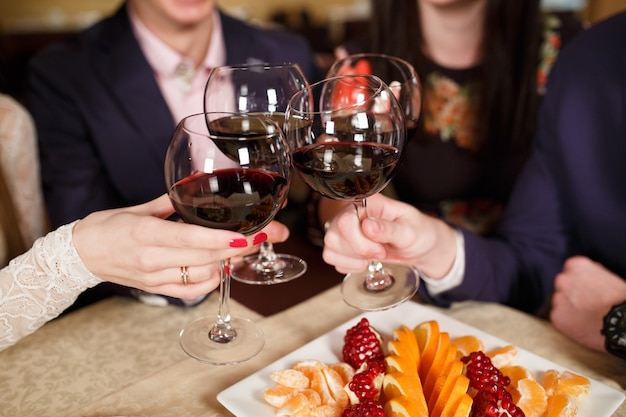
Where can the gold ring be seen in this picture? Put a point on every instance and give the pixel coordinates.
(184, 274)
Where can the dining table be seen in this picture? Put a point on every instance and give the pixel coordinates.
(121, 357)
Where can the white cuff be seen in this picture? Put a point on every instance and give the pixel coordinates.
(454, 278)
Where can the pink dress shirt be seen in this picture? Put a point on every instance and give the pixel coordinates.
(181, 84)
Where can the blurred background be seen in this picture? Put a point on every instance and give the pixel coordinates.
(29, 25)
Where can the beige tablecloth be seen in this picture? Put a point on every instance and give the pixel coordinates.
(121, 357)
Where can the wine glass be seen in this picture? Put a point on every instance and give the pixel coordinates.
(346, 135)
(397, 73)
(258, 89)
(226, 171)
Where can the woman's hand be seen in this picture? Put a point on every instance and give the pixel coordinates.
(137, 247)
(583, 294)
(393, 231)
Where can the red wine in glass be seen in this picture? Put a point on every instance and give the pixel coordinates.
(258, 89)
(226, 171)
(345, 180)
(346, 136)
(241, 200)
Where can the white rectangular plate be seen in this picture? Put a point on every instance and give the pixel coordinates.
(245, 398)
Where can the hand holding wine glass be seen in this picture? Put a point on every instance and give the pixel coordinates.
(226, 171)
(346, 136)
(259, 89)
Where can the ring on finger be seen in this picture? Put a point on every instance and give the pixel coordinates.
(184, 274)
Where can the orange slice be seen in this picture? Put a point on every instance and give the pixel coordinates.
(398, 384)
(503, 356)
(464, 407)
(396, 363)
(427, 335)
(467, 344)
(406, 337)
(453, 388)
(405, 407)
(560, 405)
(531, 397)
(459, 407)
(445, 352)
(455, 369)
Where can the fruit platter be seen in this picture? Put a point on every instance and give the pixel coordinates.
(414, 361)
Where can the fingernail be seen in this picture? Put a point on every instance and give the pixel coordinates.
(260, 238)
(238, 243)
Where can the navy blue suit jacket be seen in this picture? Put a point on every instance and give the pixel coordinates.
(102, 122)
(571, 197)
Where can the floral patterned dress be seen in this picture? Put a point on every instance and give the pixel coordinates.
(442, 173)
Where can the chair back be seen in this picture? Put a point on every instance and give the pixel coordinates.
(22, 212)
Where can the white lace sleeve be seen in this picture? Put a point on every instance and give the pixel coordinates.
(38, 285)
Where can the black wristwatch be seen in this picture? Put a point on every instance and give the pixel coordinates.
(614, 330)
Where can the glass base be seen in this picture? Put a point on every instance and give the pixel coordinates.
(283, 268)
(405, 284)
(195, 341)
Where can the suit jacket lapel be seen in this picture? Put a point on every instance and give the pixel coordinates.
(123, 67)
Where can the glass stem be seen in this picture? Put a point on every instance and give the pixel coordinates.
(266, 253)
(222, 331)
(376, 279)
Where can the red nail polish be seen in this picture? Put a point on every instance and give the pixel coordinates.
(260, 238)
(238, 243)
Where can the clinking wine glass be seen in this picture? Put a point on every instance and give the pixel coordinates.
(226, 171)
(397, 73)
(259, 89)
(346, 136)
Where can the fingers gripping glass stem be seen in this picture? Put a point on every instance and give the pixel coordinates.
(222, 331)
(376, 279)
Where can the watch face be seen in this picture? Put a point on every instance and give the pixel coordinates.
(615, 329)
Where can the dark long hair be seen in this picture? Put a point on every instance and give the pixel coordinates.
(508, 90)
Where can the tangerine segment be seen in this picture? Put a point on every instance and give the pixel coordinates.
(345, 370)
(326, 410)
(515, 373)
(503, 356)
(299, 403)
(467, 344)
(309, 366)
(291, 378)
(278, 395)
(405, 407)
(335, 385)
(531, 397)
(560, 405)
(318, 383)
(427, 335)
(567, 383)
